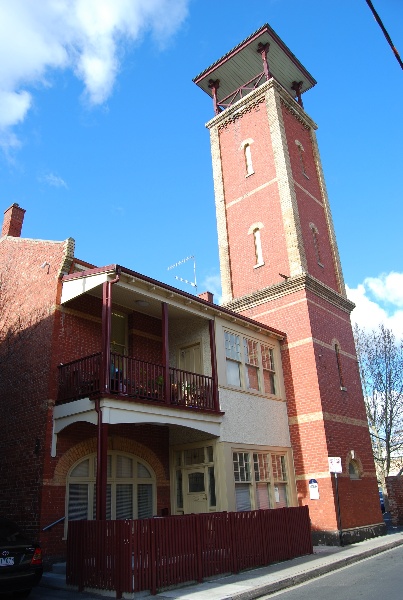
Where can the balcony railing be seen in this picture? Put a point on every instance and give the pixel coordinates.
(135, 379)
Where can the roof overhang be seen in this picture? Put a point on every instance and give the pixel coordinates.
(244, 63)
(134, 291)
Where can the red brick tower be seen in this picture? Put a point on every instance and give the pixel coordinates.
(280, 265)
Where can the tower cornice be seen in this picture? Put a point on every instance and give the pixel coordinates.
(229, 115)
(293, 284)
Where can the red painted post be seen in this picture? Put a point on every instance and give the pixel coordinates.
(153, 561)
(214, 85)
(263, 49)
(297, 87)
(213, 354)
(165, 352)
(197, 536)
(102, 460)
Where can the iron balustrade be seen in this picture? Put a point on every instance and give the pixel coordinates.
(133, 378)
(150, 554)
(80, 378)
(190, 389)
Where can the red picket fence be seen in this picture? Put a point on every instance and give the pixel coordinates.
(150, 554)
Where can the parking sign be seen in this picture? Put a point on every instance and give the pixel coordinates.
(335, 464)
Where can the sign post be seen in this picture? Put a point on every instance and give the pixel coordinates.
(335, 467)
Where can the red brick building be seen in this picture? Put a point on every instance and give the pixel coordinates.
(280, 265)
(122, 397)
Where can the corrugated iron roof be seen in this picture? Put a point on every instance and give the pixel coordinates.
(241, 64)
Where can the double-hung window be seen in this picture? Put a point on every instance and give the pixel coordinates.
(242, 476)
(260, 480)
(249, 364)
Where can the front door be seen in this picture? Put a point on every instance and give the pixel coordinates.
(195, 491)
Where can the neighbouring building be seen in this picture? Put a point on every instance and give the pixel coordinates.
(123, 397)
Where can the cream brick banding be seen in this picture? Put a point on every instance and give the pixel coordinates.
(249, 194)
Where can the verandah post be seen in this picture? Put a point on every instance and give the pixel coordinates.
(165, 352)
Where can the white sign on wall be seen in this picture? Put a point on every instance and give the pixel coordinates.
(313, 489)
(335, 464)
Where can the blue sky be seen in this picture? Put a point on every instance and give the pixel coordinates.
(102, 130)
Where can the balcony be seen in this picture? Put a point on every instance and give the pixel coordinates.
(137, 381)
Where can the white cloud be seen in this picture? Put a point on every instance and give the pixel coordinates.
(53, 180)
(86, 36)
(379, 300)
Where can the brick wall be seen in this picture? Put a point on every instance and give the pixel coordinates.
(286, 195)
(394, 486)
(28, 296)
(310, 200)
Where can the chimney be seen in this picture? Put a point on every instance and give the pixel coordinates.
(207, 296)
(13, 219)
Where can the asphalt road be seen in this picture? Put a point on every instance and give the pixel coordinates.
(371, 579)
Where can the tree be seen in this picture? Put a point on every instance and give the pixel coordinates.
(380, 359)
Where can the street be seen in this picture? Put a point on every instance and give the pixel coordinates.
(370, 579)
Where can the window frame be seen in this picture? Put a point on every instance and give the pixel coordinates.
(315, 237)
(261, 471)
(301, 158)
(246, 148)
(113, 480)
(339, 367)
(243, 360)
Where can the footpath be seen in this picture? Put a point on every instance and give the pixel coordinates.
(267, 580)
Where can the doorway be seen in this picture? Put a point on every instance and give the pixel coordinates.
(190, 359)
(195, 491)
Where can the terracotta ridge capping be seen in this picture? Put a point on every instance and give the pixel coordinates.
(293, 284)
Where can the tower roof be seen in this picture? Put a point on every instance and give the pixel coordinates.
(243, 64)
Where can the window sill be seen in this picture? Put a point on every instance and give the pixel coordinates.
(305, 175)
(258, 265)
(249, 174)
(343, 389)
(321, 265)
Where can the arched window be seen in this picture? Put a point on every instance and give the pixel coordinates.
(315, 236)
(130, 488)
(301, 157)
(258, 247)
(245, 147)
(353, 469)
(248, 160)
(255, 230)
(339, 369)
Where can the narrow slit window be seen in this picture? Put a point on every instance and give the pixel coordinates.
(258, 247)
(301, 157)
(315, 236)
(339, 369)
(248, 159)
